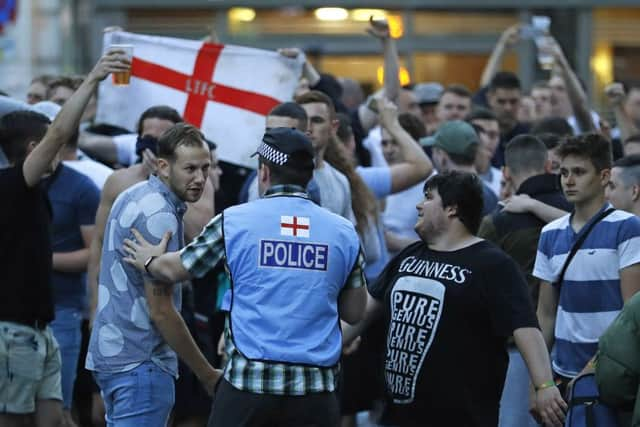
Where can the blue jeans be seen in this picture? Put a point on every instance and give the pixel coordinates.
(67, 329)
(514, 405)
(141, 397)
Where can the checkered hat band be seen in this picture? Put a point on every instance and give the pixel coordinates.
(273, 155)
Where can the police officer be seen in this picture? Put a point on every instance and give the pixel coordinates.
(295, 269)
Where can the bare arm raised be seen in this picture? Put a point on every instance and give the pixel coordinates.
(66, 122)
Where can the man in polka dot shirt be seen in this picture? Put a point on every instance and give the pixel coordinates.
(138, 329)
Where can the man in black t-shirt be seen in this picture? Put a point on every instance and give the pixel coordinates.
(29, 355)
(450, 302)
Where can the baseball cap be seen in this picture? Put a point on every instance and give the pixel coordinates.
(428, 93)
(280, 145)
(454, 137)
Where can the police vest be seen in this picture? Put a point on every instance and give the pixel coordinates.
(288, 260)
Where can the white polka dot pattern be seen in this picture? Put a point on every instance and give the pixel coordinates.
(110, 340)
(118, 276)
(140, 314)
(129, 215)
(151, 203)
(160, 223)
(103, 297)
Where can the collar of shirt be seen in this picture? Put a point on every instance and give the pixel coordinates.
(606, 205)
(157, 184)
(286, 190)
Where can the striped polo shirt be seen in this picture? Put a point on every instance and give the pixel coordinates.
(590, 296)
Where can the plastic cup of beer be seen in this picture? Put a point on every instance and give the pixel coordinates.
(122, 78)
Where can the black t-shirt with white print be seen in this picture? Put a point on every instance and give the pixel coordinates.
(449, 315)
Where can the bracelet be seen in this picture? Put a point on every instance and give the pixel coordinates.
(148, 262)
(547, 384)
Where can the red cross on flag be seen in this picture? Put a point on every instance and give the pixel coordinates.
(224, 90)
(297, 226)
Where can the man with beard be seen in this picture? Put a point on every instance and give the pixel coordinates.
(138, 328)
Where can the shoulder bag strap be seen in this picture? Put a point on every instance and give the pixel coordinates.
(576, 246)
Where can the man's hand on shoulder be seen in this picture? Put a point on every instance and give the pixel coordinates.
(140, 251)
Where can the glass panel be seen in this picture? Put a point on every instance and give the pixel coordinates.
(460, 22)
(446, 68)
(363, 68)
(616, 45)
(462, 68)
(188, 23)
(297, 20)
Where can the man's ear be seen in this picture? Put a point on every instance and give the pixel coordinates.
(335, 124)
(506, 173)
(30, 147)
(451, 211)
(605, 175)
(635, 192)
(548, 165)
(264, 173)
(163, 167)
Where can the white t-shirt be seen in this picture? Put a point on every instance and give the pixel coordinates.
(400, 214)
(94, 170)
(373, 143)
(335, 192)
(126, 146)
(492, 179)
(574, 123)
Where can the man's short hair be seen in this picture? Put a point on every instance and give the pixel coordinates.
(504, 80)
(630, 168)
(180, 134)
(525, 154)
(591, 146)
(550, 140)
(555, 125)
(463, 190)
(293, 111)
(62, 81)
(412, 125)
(457, 89)
(45, 79)
(162, 112)
(314, 96)
(480, 113)
(18, 129)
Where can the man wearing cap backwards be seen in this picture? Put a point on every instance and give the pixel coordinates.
(455, 145)
(449, 303)
(428, 95)
(295, 269)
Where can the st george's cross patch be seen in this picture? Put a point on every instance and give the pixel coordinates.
(296, 226)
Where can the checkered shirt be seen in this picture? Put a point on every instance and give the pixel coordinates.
(257, 376)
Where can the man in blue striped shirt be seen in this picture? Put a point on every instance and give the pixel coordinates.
(605, 271)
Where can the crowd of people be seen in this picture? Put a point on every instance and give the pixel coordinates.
(426, 255)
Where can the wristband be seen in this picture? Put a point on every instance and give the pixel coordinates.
(148, 262)
(547, 384)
